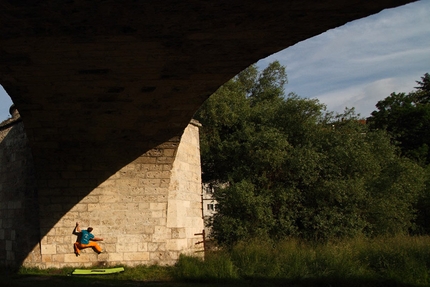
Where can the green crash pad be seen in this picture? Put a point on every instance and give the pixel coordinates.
(97, 271)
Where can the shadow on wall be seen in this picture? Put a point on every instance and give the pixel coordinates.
(34, 198)
(19, 213)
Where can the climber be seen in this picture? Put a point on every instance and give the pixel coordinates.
(85, 240)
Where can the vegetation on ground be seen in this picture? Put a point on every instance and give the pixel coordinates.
(381, 261)
(290, 168)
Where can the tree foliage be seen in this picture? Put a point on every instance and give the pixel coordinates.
(406, 117)
(294, 169)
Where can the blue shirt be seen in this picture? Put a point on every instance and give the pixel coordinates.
(86, 237)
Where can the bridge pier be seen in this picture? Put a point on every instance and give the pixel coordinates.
(147, 212)
(19, 218)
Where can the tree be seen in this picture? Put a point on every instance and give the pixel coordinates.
(406, 117)
(422, 95)
(294, 169)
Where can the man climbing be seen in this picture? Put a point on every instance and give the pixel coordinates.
(85, 240)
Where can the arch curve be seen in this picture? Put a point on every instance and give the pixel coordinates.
(102, 84)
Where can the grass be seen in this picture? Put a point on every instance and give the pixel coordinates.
(399, 261)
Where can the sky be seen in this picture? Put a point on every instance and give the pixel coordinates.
(354, 65)
(362, 62)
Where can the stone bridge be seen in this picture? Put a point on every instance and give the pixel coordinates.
(106, 90)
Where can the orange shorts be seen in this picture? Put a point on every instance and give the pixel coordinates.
(78, 246)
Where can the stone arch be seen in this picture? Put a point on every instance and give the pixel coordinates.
(104, 86)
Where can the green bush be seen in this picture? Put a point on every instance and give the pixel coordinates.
(290, 168)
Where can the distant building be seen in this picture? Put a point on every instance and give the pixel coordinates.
(209, 203)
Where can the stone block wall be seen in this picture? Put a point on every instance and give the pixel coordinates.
(19, 226)
(184, 206)
(148, 212)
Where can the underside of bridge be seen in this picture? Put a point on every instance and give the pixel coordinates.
(100, 83)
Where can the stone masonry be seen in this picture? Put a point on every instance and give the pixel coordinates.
(18, 198)
(147, 212)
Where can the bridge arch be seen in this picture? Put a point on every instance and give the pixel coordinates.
(104, 87)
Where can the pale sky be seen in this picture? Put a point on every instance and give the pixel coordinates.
(354, 65)
(362, 62)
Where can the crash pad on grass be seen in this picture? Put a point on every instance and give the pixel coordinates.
(97, 271)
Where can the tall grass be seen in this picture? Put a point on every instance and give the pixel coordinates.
(400, 259)
(216, 266)
(396, 261)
